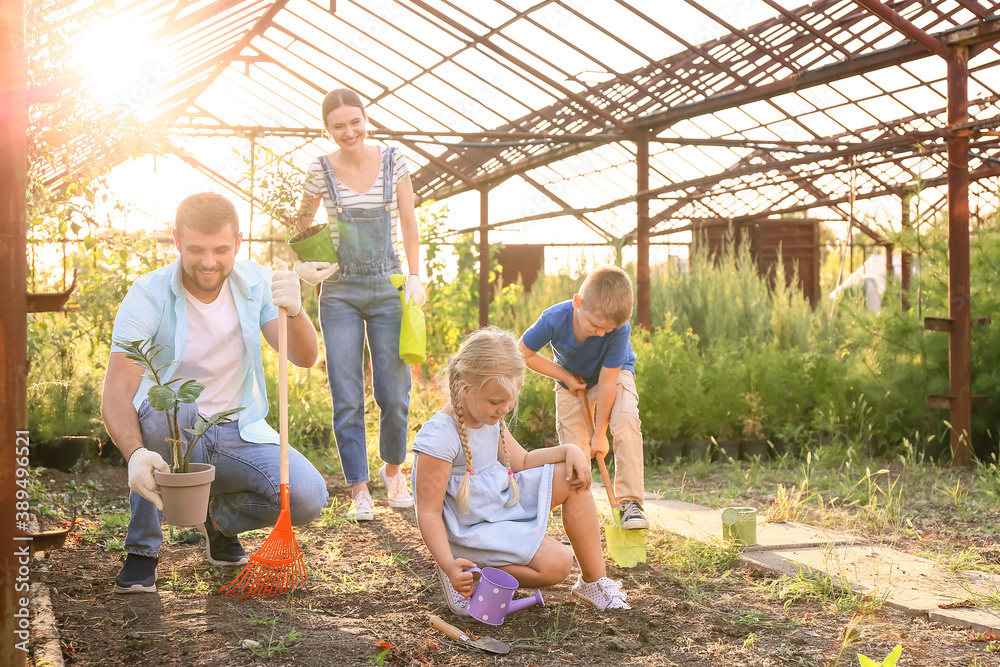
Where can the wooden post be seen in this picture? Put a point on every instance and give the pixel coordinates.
(959, 292)
(13, 330)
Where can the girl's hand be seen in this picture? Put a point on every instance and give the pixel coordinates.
(461, 580)
(577, 468)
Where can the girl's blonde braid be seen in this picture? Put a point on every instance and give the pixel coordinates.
(515, 492)
(462, 497)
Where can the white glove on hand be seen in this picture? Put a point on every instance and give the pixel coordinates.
(141, 465)
(286, 292)
(315, 272)
(412, 289)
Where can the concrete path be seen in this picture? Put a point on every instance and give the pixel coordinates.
(917, 586)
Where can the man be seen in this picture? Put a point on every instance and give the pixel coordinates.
(208, 310)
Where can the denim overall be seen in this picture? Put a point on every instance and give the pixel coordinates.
(358, 302)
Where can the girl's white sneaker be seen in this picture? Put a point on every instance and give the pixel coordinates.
(603, 594)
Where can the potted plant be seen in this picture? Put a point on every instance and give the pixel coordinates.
(185, 489)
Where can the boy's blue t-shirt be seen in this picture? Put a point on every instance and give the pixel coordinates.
(584, 358)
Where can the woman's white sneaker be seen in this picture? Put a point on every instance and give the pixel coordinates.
(362, 508)
(395, 486)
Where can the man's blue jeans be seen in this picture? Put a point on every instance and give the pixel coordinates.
(351, 309)
(246, 493)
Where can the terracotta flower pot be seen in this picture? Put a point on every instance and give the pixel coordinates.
(185, 494)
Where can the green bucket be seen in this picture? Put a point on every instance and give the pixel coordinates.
(314, 244)
(739, 526)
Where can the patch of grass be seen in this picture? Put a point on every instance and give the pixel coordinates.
(557, 633)
(754, 617)
(812, 585)
(954, 560)
(789, 504)
(107, 532)
(195, 583)
(334, 515)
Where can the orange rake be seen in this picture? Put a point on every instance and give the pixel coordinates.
(278, 565)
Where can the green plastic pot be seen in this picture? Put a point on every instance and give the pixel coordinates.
(314, 246)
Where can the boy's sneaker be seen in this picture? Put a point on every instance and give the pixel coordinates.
(138, 575)
(362, 508)
(458, 603)
(603, 594)
(399, 496)
(221, 549)
(633, 518)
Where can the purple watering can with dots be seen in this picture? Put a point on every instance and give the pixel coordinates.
(493, 598)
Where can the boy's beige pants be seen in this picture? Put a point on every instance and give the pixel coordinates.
(625, 428)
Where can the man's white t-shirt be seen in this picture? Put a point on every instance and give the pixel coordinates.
(214, 352)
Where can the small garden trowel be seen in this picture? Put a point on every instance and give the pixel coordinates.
(485, 643)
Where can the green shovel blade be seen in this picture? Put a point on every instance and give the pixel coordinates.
(627, 548)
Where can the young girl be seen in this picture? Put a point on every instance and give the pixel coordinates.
(482, 500)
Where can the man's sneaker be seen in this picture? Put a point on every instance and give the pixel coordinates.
(458, 603)
(633, 517)
(221, 549)
(603, 594)
(399, 496)
(138, 575)
(362, 508)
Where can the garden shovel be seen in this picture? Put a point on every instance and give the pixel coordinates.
(627, 548)
(485, 643)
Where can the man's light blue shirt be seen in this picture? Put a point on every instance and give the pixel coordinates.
(156, 308)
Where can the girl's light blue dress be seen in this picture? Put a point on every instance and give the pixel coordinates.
(490, 534)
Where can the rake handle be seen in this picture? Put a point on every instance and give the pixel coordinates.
(589, 418)
(283, 391)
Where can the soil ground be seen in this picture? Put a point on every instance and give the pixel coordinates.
(372, 589)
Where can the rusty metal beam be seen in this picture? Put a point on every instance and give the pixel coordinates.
(969, 34)
(14, 328)
(905, 256)
(196, 90)
(644, 314)
(484, 256)
(510, 57)
(984, 172)
(910, 31)
(959, 290)
(593, 226)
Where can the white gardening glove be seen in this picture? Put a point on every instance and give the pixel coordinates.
(412, 289)
(286, 292)
(315, 272)
(141, 465)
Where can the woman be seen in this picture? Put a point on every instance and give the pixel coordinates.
(367, 191)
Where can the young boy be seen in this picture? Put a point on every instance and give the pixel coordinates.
(589, 335)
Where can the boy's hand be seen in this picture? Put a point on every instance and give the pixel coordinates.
(575, 383)
(577, 468)
(461, 580)
(599, 445)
